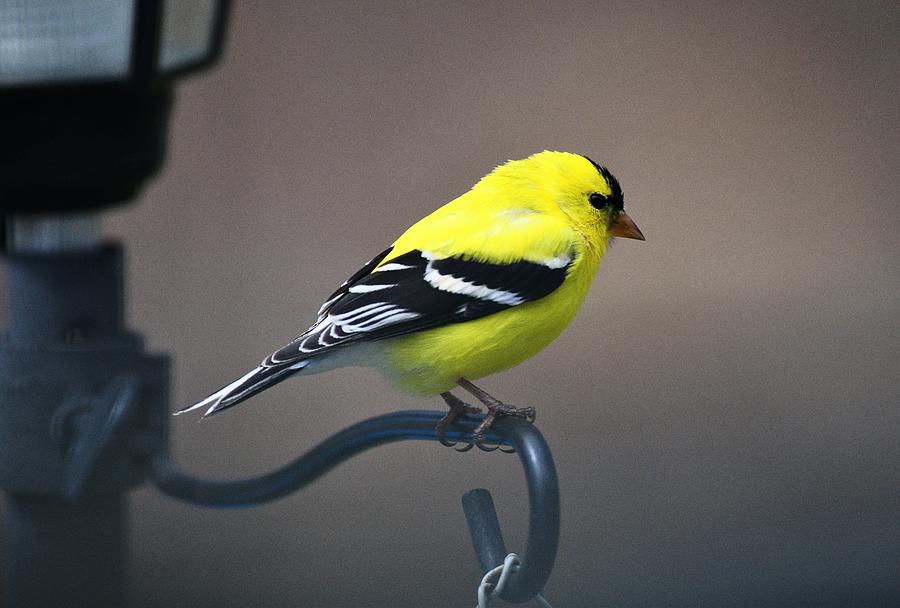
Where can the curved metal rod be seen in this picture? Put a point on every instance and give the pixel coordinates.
(543, 515)
(535, 456)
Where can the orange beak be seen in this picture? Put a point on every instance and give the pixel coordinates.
(624, 227)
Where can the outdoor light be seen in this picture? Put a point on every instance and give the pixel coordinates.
(85, 92)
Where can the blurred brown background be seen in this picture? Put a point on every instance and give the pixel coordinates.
(724, 410)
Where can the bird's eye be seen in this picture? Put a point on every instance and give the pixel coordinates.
(598, 201)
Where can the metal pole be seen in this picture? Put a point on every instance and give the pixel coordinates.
(60, 554)
(77, 394)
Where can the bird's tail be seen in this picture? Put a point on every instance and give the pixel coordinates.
(245, 387)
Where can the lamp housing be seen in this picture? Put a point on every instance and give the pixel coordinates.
(86, 91)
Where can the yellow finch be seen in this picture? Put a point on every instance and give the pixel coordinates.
(477, 287)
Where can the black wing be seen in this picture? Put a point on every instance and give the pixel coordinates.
(341, 291)
(418, 291)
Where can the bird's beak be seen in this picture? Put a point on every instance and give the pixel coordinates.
(623, 226)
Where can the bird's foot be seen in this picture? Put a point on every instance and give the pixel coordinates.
(457, 407)
(495, 411)
(496, 408)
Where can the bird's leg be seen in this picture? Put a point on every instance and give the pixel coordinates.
(457, 407)
(495, 408)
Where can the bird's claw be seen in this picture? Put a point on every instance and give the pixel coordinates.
(529, 414)
(483, 444)
(440, 432)
(459, 446)
(457, 407)
(478, 436)
(488, 446)
(495, 409)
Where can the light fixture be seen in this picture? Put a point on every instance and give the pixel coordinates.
(85, 92)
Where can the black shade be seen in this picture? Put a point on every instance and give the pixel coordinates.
(79, 148)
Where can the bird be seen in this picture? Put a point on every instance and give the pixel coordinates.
(474, 288)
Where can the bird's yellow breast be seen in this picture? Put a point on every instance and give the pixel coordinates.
(431, 361)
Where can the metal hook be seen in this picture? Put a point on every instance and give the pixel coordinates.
(540, 475)
(543, 515)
